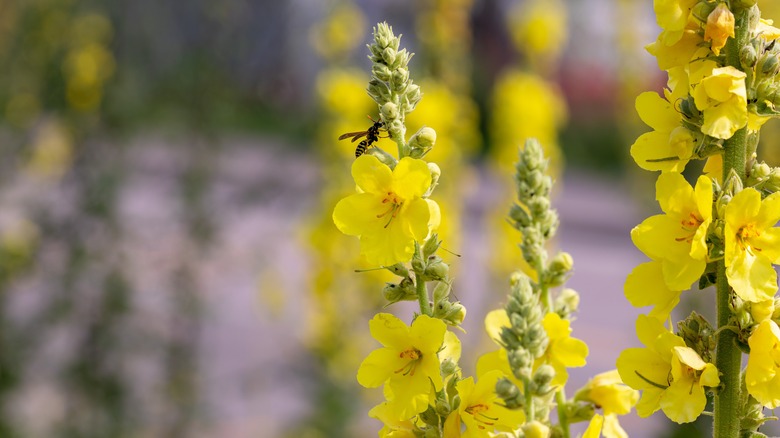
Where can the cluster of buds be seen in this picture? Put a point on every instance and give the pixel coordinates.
(390, 86)
(532, 215)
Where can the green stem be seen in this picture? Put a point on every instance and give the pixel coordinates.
(422, 289)
(563, 418)
(728, 357)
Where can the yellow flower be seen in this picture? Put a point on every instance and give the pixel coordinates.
(408, 364)
(669, 146)
(606, 426)
(676, 54)
(752, 244)
(671, 375)
(677, 238)
(481, 410)
(719, 27)
(389, 214)
(563, 351)
(672, 16)
(539, 28)
(722, 97)
(608, 392)
(762, 375)
(766, 31)
(645, 286)
(393, 428)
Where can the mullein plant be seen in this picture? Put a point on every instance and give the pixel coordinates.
(719, 230)
(396, 218)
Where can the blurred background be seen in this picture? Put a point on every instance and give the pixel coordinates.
(168, 265)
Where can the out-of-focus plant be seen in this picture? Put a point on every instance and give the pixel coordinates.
(722, 61)
(395, 217)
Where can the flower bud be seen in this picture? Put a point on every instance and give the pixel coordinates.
(388, 56)
(520, 216)
(435, 175)
(519, 359)
(379, 91)
(449, 367)
(381, 72)
(400, 79)
(389, 111)
(697, 332)
(441, 291)
(719, 27)
(542, 378)
(567, 301)
(456, 314)
(422, 142)
(442, 408)
(430, 417)
(558, 269)
(769, 65)
(431, 246)
(535, 429)
(748, 57)
(436, 269)
(510, 394)
(398, 269)
(580, 411)
(403, 291)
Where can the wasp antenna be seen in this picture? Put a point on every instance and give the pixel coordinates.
(456, 255)
(370, 269)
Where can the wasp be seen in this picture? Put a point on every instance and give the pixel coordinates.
(371, 134)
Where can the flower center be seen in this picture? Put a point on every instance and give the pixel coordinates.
(395, 205)
(414, 356)
(482, 419)
(690, 224)
(744, 235)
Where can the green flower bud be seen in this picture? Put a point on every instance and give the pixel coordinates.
(532, 155)
(520, 361)
(431, 245)
(436, 270)
(441, 291)
(403, 291)
(697, 332)
(510, 394)
(559, 268)
(422, 142)
(442, 408)
(379, 91)
(456, 314)
(567, 302)
(748, 57)
(579, 411)
(701, 11)
(398, 269)
(402, 58)
(449, 367)
(432, 433)
(388, 56)
(520, 216)
(389, 111)
(768, 65)
(536, 429)
(381, 72)
(413, 96)
(542, 378)
(430, 417)
(400, 79)
(435, 175)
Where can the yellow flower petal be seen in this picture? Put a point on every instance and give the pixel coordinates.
(495, 321)
(657, 112)
(653, 151)
(357, 214)
(371, 175)
(411, 178)
(645, 286)
(594, 427)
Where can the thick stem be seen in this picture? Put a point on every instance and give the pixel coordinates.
(728, 357)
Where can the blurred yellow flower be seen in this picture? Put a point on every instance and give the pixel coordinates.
(762, 375)
(539, 28)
